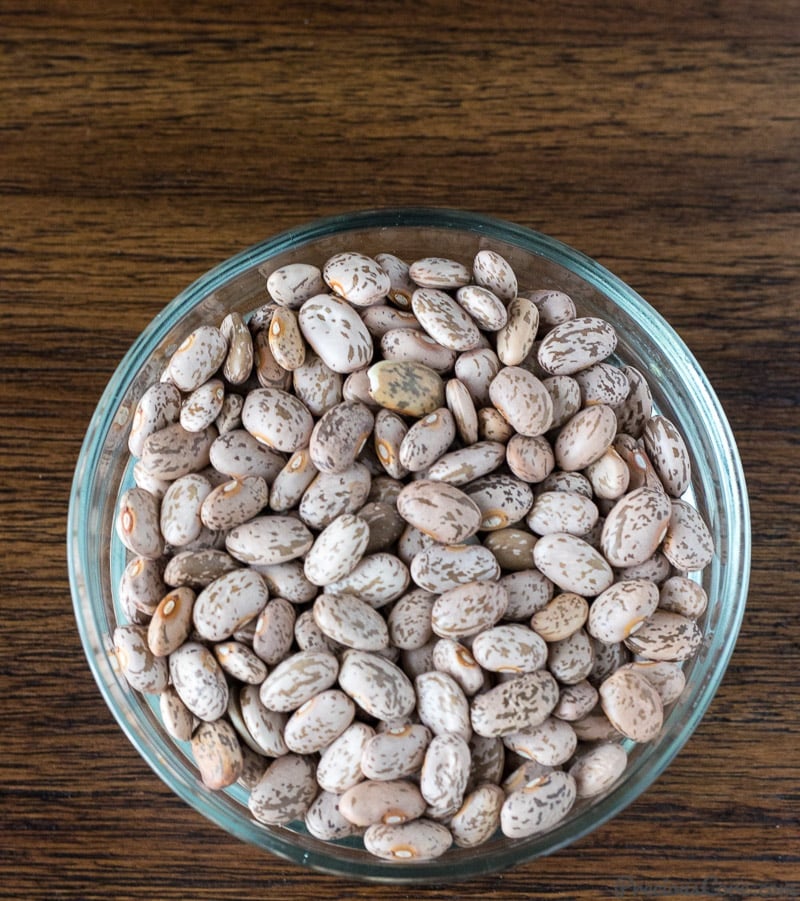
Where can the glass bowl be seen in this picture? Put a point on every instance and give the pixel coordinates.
(680, 391)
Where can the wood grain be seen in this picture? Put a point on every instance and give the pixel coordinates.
(143, 142)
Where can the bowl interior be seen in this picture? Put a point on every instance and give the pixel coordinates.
(680, 391)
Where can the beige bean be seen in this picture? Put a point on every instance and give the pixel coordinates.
(159, 406)
(576, 344)
(679, 594)
(319, 721)
(332, 494)
(415, 346)
(324, 820)
(427, 440)
(234, 502)
(277, 419)
(356, 277)
(199, 356)
(476, 369)
(274, 630)
(336, 333)
(528, 591)
(460, 403)
(562, 511)
(572, 564)
(137, 523)
(571, 659)
(238, 455)
(530, 458)
(264, 726)
(201, 408)
(502, 499)
(491, 270)
(176, 717)
(336, 550)
(585, 437)
(405, 387)
(576, 701)
(347, 619)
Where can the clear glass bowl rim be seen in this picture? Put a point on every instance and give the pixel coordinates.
(734, 501)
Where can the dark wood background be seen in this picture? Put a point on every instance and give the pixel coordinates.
(143, 142)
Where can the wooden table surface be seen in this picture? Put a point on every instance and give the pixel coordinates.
(143, 142)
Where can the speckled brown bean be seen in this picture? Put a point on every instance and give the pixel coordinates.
(238, 454)
(350, 621)
(668, 453)
(571, 659)
(415, 346)
(420, 839)
(234, 502)
(378, 579)
(336, 333)
(515, 339)
(356, 277)
(396, 752)
(298, 678)
(332, 494)
(201, 408)
(180, 515)
(666, 636)
(286, 580)
(197, 568)
(171, 622)
(679, 594)
(562, 511)
(286, 340)
(199, 356)
(528, 591)
(336, 550)
(530, 458)
(621, 609)
(290, 285)
(440, 510)
(478, 818)
(239, 359)
(687, 544)
(442, 567)
(551, 743)
(385, 525)
(240, 662)
(460, 403)
(509, 648)
(585, 437)
(484, 306)
(602, 383)
(409, 388)
(538, 806)
(554, 308)
(285, 791)
(269, 372)
(381, 318)
(317, 385)
(269, 539)
(512, 547)
(576, 344)
(427, 440)
(609, 475)
(217, 753)
(324, 820)
(502, 499)
(560, 617)
(339, 435)
(572, 564)
(318, 722)
(597, 768)
(199, 681)
(445, 772)
(438, 272)
(476, 369)
(468, 609)
(409, 620)
(141, 587)
(636, 409)
(576, 701)
(632, 705)
(491, 270)
(137, 523)
(458, 467)
(159, 406)
(274, 630)
(277, 419)
(379, 686)
(142, 669)
(176, 717)
(263, 727)
(442, 706)
(526, 700)
(635, 527)
(523, 401)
